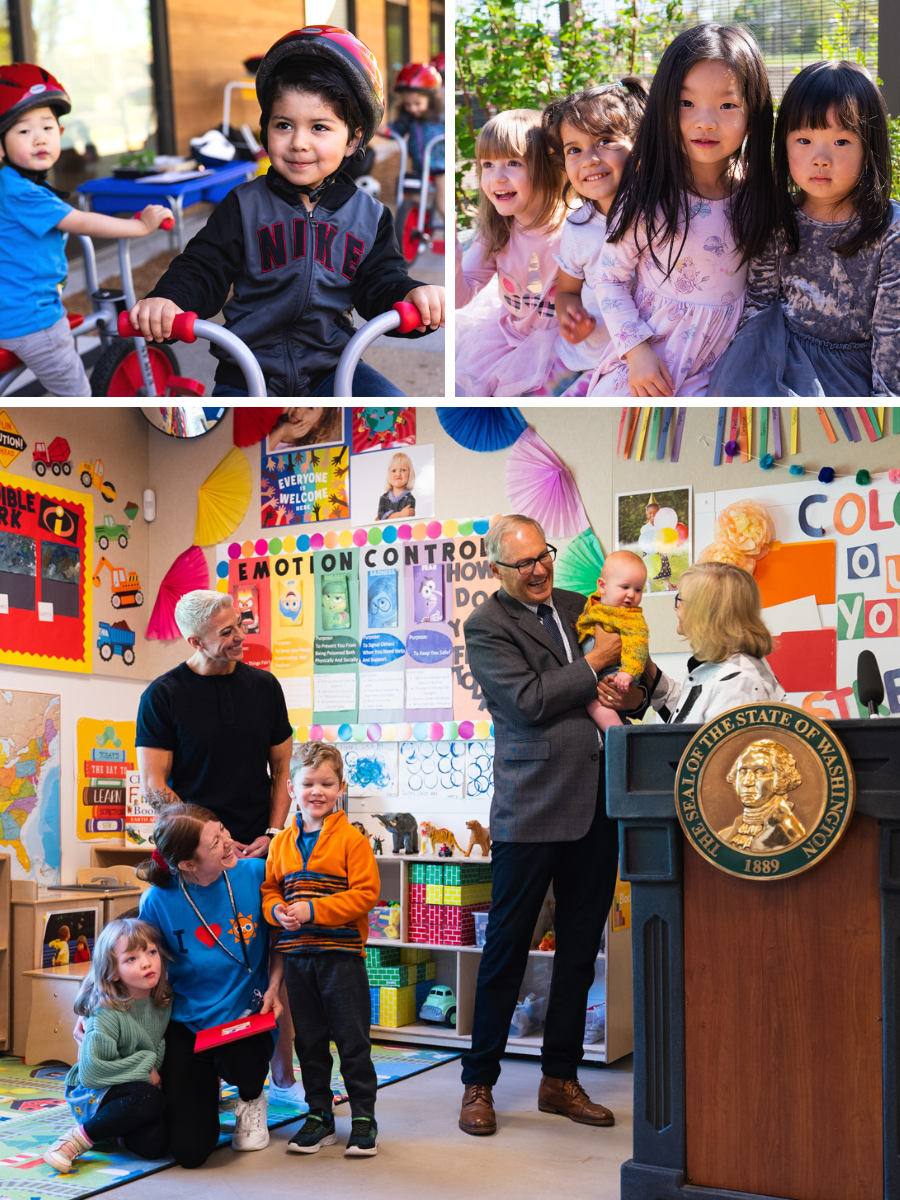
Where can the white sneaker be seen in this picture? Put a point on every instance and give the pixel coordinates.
(292, 1095)
(250, 1129)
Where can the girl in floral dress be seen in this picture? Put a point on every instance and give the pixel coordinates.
(696, 202)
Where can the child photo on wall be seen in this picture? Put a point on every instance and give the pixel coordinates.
(306, 427)
(392, 485)
(656, 526)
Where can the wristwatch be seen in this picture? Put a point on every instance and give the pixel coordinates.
(271, 831)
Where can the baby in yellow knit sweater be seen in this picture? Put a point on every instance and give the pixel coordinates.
(616, 608)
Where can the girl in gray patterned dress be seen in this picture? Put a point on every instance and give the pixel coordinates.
(822, 315)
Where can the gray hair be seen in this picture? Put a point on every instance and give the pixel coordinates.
(493, 539)
(196, 609)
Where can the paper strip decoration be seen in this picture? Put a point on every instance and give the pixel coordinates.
(720, 437)
(842, 420)
(806, 660)
(223, 499)
(482, 428)
(251, 425)
(826, 425)
(579, 565)
(540, 485)
(187, 572)
(679, 431)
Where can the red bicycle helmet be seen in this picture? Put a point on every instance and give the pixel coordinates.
(343, 50)
(24, 86)
(439, 62)
(417, 77)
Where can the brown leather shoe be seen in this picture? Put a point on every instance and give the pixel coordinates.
(568, 1098)
(477, 1113)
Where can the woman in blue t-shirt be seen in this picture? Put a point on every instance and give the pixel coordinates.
(206, 903)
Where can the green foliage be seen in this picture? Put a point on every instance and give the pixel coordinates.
(139, 159)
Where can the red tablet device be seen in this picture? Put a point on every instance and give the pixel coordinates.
(233, 1031)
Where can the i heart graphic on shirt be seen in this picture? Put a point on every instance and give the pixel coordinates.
(204, 935)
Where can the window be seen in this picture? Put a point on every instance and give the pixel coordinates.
(397, 23)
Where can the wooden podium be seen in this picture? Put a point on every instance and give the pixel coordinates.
(767, 1057)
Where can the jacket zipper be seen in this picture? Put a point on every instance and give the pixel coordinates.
(311, 261)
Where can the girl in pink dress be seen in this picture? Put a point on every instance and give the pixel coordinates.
(509, 349)
(696, 202)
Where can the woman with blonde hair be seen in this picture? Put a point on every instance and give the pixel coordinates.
(509, 349)
(720, 613)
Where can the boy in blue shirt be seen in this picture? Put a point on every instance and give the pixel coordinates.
(34, 223)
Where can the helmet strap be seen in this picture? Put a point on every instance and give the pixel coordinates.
(38, 177)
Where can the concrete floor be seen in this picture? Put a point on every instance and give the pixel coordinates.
(424, 1154)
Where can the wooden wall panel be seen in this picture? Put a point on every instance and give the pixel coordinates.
(208, 42)
(370, 28)
(783, 1033)
(419, 31)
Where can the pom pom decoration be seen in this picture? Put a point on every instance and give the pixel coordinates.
(826, 475)
(743, 535)
(223, 499)
(540, 486)
(579, 565)
(863, 477)
(894, 475)
(188, 572)
(767, 462)
(251, 425)
(732, 448)
(796, 469)
(482, 428)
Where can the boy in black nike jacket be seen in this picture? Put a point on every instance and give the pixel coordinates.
(302, 246)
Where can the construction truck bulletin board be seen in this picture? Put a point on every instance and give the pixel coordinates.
(45, 584)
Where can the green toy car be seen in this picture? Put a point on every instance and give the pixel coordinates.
(111, 531)
(440, 1005)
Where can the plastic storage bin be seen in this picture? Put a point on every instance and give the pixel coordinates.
(481, 923)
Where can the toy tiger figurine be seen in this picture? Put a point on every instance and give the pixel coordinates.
(434, 837)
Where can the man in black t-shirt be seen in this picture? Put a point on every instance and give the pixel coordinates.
(215, 731)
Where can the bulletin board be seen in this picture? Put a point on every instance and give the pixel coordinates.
(46, 597)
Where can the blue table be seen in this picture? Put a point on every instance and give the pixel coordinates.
(114, 196)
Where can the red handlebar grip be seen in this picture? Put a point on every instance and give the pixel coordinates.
(182, 327)
(165, 223)
(410, 318)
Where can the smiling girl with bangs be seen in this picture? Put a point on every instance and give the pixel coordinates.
(823, 301)
(520, 215)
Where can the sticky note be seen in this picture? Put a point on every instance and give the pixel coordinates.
(45, 610)
(797, 569)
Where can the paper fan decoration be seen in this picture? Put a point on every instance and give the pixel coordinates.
(187, 572)
(540, 485)
(482, 428)
(578, 566)
(251, 425)
(223, 499)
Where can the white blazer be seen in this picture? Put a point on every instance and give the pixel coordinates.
(711, 688)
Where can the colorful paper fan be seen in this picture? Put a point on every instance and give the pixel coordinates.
(482, 428)
(223, 499)
(251, 425)
(540, 485)
(187, 572)
(578, 566)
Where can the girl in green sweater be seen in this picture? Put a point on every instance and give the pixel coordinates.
(114, 1089)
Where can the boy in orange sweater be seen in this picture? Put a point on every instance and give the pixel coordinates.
(321, 883)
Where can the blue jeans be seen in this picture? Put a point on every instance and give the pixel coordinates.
(367, 384)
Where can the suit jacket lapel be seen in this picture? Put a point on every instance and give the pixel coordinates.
(532, 625)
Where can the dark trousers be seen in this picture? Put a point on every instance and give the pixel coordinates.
(329, 999)
(134, 1112)
(583, 874)
(191, 1086)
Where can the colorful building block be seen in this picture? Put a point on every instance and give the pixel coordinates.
(434, 893)
(398, 1006)
(468, 893)
(375, 998)
(434, 919)
(434, 872)
(413, 956)
(395, 977)
(382, 956)
(458, 874)
(417, 872)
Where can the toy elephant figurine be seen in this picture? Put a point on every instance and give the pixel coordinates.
(405, 830)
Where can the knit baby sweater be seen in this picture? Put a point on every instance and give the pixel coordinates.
(121, 1047)
(628, 623)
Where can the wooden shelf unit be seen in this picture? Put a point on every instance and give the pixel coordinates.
(457, 967)
(5, 953)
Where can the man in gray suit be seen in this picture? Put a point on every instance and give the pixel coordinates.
(548, 816)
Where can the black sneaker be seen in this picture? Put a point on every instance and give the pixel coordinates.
(315, 1132)
(363, 1141)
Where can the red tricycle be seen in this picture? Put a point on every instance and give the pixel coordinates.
(416, 204)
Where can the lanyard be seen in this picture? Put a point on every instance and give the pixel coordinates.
(237, 922)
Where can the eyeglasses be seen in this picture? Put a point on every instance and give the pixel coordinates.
(527, 565)
(678, 600)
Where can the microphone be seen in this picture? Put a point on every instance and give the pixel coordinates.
(869, 684)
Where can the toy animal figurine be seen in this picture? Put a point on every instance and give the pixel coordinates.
(433, 836)
(478, 836)
(405, 831)
(359, 825)
(377, 844)
(548, 941)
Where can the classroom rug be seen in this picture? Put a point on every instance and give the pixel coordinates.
(33, 1113)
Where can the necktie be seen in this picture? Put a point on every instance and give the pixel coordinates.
(545, 615)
